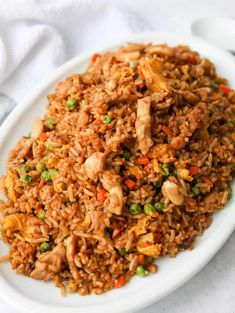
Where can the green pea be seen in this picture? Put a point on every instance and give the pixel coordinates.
(230, 123)
(140, 271)
(53, 171)
(26, 179)
(29, 135)
(199, 180)
(195, 190)
(24, 168)
(71, 104)
(107, 232)
(158, 184)
(50, 122)
(67, 204)
(41, 216)
(148, 208)
(165, 169)
(46, 176)
(50, 147)
(159, 206)
(214, 85)
(122, 252)
(40, 167)
(230, 193)
(135, 208)
(107, 119)
(127, 155)
(45, 246)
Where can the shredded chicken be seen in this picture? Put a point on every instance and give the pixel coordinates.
(171, 191)
(146, 245)
(143, 125)
(25, 144)
(37, 129)
(70, 254)
(111, 183)
(94, 165)
(29, 226)
(49, 263)
(194, 120)
(151, 70)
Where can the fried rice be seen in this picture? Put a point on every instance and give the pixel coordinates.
(128, 164)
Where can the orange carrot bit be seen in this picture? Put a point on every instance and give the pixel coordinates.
(120, 282)
(130, 183)
(101, 195)
(194, 170)
(225, 89)
(192, 59)
(43, 137)
(144, 160)
(141, 75)
(145, 244)
(95, 57)
(116, 232)
(141, 259)
(168, 131)
(208, 182)
(41, 184)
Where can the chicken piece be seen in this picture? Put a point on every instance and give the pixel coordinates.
(69, 86)
(194, 120)
(171, 191)
(70, 255)
(141, 226)
(162, 153)
(151, 70)
(127, 56)
(29, 226)
(146, 246)
(143, 125)
(24, 145)
(94, 165)
(160, 49)
(133, 47)
(37, 129)
(184, 174)
(49, 263)
(7, 183)
(111, 183)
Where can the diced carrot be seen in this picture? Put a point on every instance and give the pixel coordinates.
(141, 75)
(168, 131)
(194, 170)
(130, 183)
(225, 89)
(141, 259)
(101, 195)
(43, 137)
(41, 184)
(208, 182)
(120, 282)
(145, 244)
(192, 59)
(144, 160)
(116, 232)
(94, 57)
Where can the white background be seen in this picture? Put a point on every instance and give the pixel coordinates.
(212, 290)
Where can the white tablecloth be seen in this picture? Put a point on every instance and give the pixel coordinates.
(38, 36)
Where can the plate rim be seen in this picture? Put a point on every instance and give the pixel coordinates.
(24, 105)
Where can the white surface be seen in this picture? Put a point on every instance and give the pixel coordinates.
(217, 31)
(212, 290)
(29, 295)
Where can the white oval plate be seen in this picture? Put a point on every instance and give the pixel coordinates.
(27, 295)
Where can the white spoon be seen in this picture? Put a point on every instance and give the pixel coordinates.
(217, 30)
